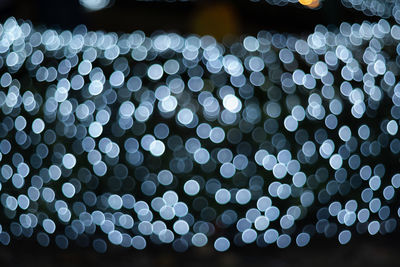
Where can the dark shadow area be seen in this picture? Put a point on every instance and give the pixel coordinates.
(203, 17)
(365, 251)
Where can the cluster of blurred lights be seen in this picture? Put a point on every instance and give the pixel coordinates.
(381, 8)
(130, 139)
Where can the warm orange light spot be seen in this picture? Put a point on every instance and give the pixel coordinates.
(309, 3)
(314, 4)
(305, 2)
(216, 19)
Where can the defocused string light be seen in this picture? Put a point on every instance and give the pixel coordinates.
(94, 5)
(131, 139)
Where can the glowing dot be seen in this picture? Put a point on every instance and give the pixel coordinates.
(68, 190)
(155, 72)
(336, 161)
(191, 187)
(95, 87)
(181, 227)
(392, 127)
(232, 103)
(290, 123)
(201, 156)
(222, 196)
(38, 126)
(221, 244)
(95, 129)
(185, 116)
(115, 202)
(199, 239)
(243, 196)
(165, 177)
(69, 161)
(49, 226)
(157, 148)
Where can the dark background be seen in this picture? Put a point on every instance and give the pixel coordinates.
(360, 251)
(214, 17)
(217, 18)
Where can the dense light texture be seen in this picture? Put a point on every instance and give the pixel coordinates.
(131, 139)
